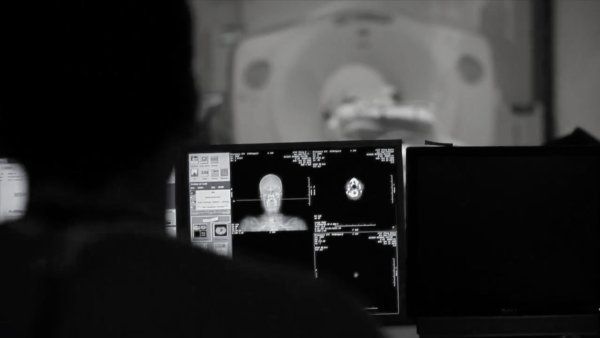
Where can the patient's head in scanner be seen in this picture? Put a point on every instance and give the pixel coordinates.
(272, 220)
(357, 102)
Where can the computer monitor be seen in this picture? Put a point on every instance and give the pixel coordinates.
(333, 210)
(503, 231)
(13, 190)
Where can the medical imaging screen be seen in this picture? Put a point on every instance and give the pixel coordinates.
(334, 213)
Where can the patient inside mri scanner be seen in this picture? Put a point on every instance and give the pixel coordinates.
(358, 103)
(383, 117)
(272, 220)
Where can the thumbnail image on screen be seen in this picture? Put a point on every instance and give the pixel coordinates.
(333, 212)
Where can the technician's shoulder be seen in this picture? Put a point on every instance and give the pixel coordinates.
(162, 288)
(22, 279)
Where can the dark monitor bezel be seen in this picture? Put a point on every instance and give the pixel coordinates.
(412, 234)
(182, 194)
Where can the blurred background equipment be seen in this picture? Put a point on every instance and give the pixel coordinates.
(302, 75)
(302, 70)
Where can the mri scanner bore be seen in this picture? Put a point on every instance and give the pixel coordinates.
(360, 73)
(272, 220)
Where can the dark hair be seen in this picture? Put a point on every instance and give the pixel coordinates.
(93, 88)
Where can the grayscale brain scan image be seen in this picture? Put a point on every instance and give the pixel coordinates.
(354, 189)
(272, 220)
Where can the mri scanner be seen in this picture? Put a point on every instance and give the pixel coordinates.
(285, 81)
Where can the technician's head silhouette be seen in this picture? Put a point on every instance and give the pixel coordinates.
(271, 193)
(94, 92)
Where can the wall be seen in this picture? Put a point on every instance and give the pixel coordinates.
(577, 65)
